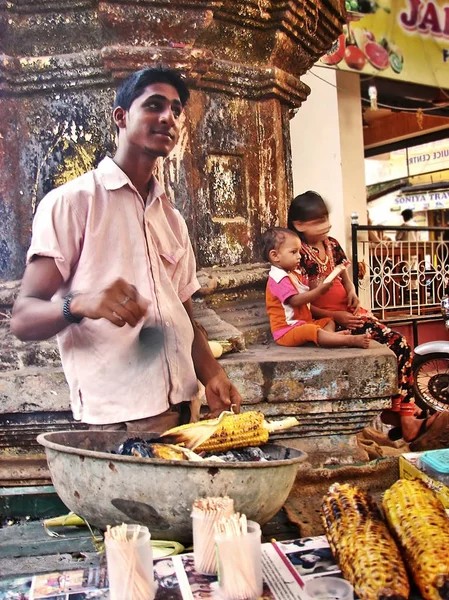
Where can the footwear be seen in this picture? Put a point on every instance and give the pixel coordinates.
(435, 435)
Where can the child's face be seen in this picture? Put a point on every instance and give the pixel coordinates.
(287, 256)
(314, 231)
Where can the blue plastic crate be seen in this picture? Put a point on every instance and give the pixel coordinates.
(436, 464)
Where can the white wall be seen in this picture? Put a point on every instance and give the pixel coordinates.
(327, 147)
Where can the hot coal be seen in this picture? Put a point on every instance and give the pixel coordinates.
(134, 447)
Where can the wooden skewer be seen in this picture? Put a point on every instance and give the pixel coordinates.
(205, 513)
(235, 555)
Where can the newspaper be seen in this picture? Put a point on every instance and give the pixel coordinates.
(285, 565)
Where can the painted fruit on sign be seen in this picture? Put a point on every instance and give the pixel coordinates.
(336, 53)
(354, 57)
(377, 55)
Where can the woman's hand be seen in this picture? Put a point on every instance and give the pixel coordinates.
(347, 319)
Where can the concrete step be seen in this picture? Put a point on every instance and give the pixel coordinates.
(334, 393)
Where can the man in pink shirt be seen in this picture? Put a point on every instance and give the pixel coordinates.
(110, 256)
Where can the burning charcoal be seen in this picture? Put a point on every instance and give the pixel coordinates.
(134, 447)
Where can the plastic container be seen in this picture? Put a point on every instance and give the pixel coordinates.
(130, 565)
(328, 588)
(436, 464)
(239, 562)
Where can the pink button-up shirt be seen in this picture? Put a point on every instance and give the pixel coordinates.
(97, 228)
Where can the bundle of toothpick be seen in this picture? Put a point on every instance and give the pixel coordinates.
(205, 514)
(237, 556)
(136, 583)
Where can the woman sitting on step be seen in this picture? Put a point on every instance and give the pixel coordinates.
(308, 217)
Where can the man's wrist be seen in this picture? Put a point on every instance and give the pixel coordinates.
(67, 312)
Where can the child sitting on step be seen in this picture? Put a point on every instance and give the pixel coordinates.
(288, 298)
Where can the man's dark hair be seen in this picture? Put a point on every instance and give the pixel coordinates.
(407, 214)
(135, 84)
(272, 239)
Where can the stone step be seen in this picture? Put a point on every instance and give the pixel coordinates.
(332, 392)
(272, 373)
(245, 311)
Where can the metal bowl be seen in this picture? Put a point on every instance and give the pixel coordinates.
(108, 489)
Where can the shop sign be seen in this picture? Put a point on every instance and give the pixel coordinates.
(423, 200)
(405, 40)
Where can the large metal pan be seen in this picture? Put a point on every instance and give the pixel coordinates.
(107, 489)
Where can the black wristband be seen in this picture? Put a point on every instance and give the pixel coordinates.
(66, 310)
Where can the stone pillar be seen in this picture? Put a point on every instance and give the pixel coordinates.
(231, 176)
(330, 158)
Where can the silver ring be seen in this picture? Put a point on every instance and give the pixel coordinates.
(123, 302)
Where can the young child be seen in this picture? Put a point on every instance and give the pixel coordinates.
(308, 217)
(288, 298)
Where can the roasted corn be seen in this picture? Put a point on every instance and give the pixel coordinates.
(229, 431)
(361, 543)
(421, 527)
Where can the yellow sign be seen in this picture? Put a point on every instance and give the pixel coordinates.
(406, 40)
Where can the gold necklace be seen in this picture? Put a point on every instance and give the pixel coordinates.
(316, 257)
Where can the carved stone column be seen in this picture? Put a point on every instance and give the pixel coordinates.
(230, 175)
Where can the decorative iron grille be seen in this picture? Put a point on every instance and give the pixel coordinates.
(400, 279)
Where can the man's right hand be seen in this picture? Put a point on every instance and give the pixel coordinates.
(119, 303)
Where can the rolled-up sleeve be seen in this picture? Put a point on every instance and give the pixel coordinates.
(57, 233)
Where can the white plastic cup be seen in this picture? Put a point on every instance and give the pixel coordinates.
(328, 588)
(239, 564)
(130, 565)
(204, 554)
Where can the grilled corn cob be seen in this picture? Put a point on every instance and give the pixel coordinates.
(421, 527)
(230, 431)
(364, 548)
(237, 431)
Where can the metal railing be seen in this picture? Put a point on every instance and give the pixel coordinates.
(400, 280)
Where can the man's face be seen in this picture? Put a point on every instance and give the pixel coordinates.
(152, 122)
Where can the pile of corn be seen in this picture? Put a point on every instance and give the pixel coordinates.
(371, 558)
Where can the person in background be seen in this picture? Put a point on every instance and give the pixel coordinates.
(109, 258)
(288, 298)
(308, 217)
(407, 236)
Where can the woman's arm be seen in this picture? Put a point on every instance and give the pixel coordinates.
(353, 300)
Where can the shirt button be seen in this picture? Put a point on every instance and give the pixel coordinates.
(167, 324)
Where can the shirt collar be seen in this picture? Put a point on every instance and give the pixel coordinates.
(113, 178)
(277, 274)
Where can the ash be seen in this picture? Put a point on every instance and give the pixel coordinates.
(248, 454)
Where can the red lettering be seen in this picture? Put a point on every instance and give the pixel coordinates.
(446, 21)
(430, 21)
(411, 21)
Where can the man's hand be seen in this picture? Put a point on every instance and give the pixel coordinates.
(347, 319)
(119, 303)
(221, 394)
